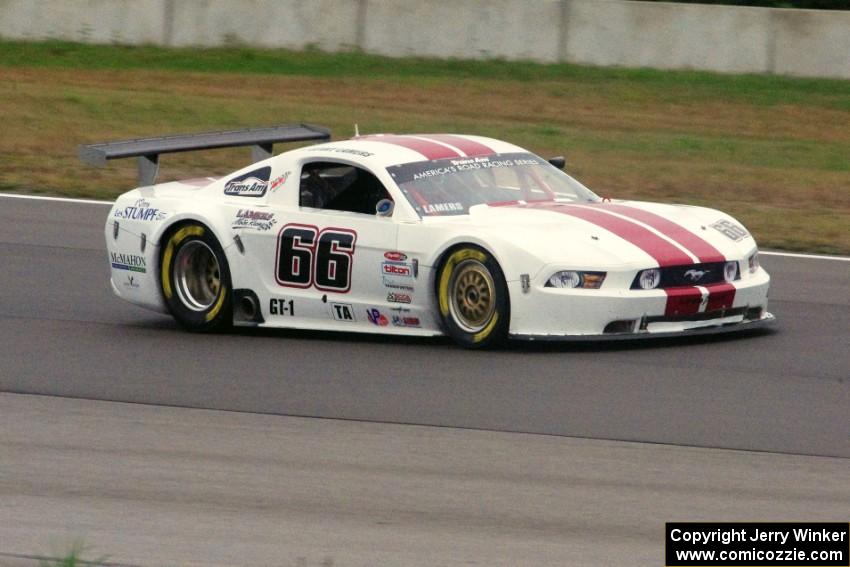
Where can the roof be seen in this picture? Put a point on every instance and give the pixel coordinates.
(394, 149)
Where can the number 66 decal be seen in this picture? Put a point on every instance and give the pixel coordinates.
(309, 257)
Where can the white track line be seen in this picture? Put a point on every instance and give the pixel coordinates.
(60, 199)
(807, 256)
(94, 202)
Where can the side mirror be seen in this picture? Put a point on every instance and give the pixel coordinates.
(560, 162)
(384, 208)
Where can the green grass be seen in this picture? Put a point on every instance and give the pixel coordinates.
(773, 151)
(74, 558)
(756, 89)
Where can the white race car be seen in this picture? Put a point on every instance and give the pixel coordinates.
(431, 234)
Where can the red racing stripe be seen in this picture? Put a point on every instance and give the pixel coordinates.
(698, 247)
(662, 251)
(431, 150)
(469, 147)
(683, 301)
(720, 296)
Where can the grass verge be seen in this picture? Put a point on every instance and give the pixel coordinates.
(773, 151)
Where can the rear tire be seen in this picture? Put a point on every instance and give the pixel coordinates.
(195, 279)
(473, 298)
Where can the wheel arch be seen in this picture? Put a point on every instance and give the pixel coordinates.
(440, 262)
(168, 230)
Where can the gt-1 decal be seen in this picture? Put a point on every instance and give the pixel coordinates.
(730, 229)
(140, 210)
(309, 257)
(282, 307)
(251, 184)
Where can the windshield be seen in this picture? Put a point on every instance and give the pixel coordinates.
(452, 186)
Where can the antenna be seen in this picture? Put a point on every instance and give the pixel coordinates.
(356, 130)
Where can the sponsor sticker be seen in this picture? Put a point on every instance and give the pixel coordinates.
(258, 220)
(342, 312)
(433, 208)
(377, 318)
(140, 210)
(402, 270)
(279, 180)
(397, 297)
(131, 282)
(395, 256)
(251, 184)
(129, 262)
(406, 321)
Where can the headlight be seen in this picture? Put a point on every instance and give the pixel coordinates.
(572, 279)
(730, 271)
(754, 262)
(649, 279)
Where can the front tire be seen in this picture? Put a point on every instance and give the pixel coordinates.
(195, 279)
(473, 298)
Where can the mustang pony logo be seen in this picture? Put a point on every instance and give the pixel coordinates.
(695, 275)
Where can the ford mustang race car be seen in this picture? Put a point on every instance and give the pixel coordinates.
(431, 234)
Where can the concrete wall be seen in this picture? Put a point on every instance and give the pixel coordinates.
(597, 32)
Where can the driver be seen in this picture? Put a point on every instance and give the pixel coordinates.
(316, 192)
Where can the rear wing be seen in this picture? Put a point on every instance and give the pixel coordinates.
(148, 150)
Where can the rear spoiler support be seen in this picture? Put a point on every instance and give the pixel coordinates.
(148, 150)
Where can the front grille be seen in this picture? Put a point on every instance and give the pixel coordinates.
(689, 275)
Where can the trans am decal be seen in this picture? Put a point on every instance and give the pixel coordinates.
(251, 184)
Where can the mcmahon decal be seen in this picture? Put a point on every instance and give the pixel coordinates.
(129, 262)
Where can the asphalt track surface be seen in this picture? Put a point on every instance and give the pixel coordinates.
(63, 333)
(153, 485)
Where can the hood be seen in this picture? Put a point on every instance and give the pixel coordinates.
(622, 233)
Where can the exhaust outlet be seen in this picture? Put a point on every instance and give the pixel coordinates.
(248, 306)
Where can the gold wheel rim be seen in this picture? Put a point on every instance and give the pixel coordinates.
(472, 296)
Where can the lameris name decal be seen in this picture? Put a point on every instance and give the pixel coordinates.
(259, 220)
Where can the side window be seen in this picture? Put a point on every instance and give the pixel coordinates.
(340, 187)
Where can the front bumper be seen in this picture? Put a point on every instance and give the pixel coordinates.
(542, 313)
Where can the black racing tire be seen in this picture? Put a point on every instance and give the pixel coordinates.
(472, 298)
(195, 279)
